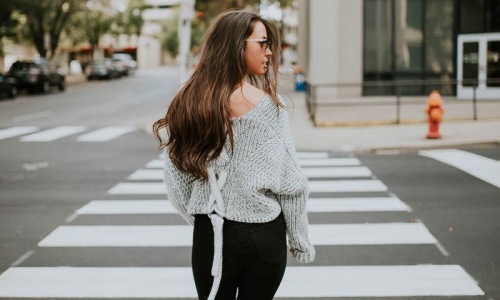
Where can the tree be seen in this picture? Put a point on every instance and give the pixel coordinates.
(91, 23)
(46, 19)
(133, 17)
(169, 37)
(7, 23)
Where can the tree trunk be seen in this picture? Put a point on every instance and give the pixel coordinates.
(35, 24)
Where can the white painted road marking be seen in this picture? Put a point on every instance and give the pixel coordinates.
(147, 174)
(335, 186)
(105, 134)
(313, 205)
(52, 134)
(322, 172)
(356, 204)
(329, 162)
(337, 172)
(155, 164)
(307, 155)
(181, 235)
(127, 207)
(158, 188)
(177, 282)
(16, 131)
(484, 168)
(325, 162)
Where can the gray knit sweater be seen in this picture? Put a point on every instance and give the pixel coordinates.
(262, 178)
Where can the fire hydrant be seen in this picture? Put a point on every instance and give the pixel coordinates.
(434, 110)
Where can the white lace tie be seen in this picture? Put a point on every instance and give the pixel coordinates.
(216, 205)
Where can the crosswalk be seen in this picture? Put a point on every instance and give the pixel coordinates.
(36, 134)
(337, 185)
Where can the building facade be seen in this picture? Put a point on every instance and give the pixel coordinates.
(360, 42)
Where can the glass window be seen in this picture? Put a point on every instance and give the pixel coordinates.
(439, 43)
(471, 16)
(439, 36)
(493, 64)
(493, 15)
(409, 36)
(470, 63)
(377, 36)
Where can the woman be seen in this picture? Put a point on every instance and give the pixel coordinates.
(230, 163)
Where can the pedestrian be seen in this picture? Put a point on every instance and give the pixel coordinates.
(230, 163)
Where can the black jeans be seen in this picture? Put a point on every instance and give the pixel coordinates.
(253, 263)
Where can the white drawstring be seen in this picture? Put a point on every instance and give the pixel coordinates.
(217, 223)
(216, 204)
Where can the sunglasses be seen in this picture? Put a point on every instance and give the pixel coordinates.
(264, 43)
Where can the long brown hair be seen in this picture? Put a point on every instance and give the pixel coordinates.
(198, 120)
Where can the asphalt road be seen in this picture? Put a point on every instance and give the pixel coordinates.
(44, 183)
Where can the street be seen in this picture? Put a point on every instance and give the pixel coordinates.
(83, 211)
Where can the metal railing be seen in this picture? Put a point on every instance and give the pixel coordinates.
(322, 104)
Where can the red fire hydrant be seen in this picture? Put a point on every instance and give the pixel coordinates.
(434, 110)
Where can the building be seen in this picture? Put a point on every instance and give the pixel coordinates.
(366, 41)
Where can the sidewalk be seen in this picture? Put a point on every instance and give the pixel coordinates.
(381, 137)
(72, 79)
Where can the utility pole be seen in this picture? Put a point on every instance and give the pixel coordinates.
(186, 15)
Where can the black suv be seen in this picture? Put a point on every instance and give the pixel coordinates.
(36, 75)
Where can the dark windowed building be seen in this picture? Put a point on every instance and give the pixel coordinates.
(368, 41)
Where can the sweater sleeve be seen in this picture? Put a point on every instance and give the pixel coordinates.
(179, 187)
(293, 195)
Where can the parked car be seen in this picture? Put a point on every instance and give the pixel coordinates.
(129, 65)
(37, 75)
(8, 86)
(102, 69)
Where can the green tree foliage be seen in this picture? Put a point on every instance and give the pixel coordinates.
(46, 18)
(170, 38)
(133, 17)
(95, 20)
(7, 23)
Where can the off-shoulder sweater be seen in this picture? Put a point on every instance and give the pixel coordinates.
(255, 182)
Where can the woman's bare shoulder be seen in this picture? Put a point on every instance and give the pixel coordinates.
(245, 98)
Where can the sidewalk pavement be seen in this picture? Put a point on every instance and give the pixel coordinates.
(72, 79)
(382, 138)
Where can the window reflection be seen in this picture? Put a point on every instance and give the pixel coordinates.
(439, 44)
(409, 35)
(470, 63)
(493, 64)
(378, 37)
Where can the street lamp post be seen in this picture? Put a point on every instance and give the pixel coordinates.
(186, 15)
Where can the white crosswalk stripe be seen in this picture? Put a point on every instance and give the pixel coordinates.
(148, 188)
(33, 133)
(323, 186)
(479, 166)
(111, 207)
(304, 155)
(53, 134)
(315, 172)
(313, 205)
(177, 282)
(337, 172)
(16, 131)
(181, 235)
(329, 162)
(356, 204)
(304, 162)
(337, 186)
(305, 281)
(105, 134)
